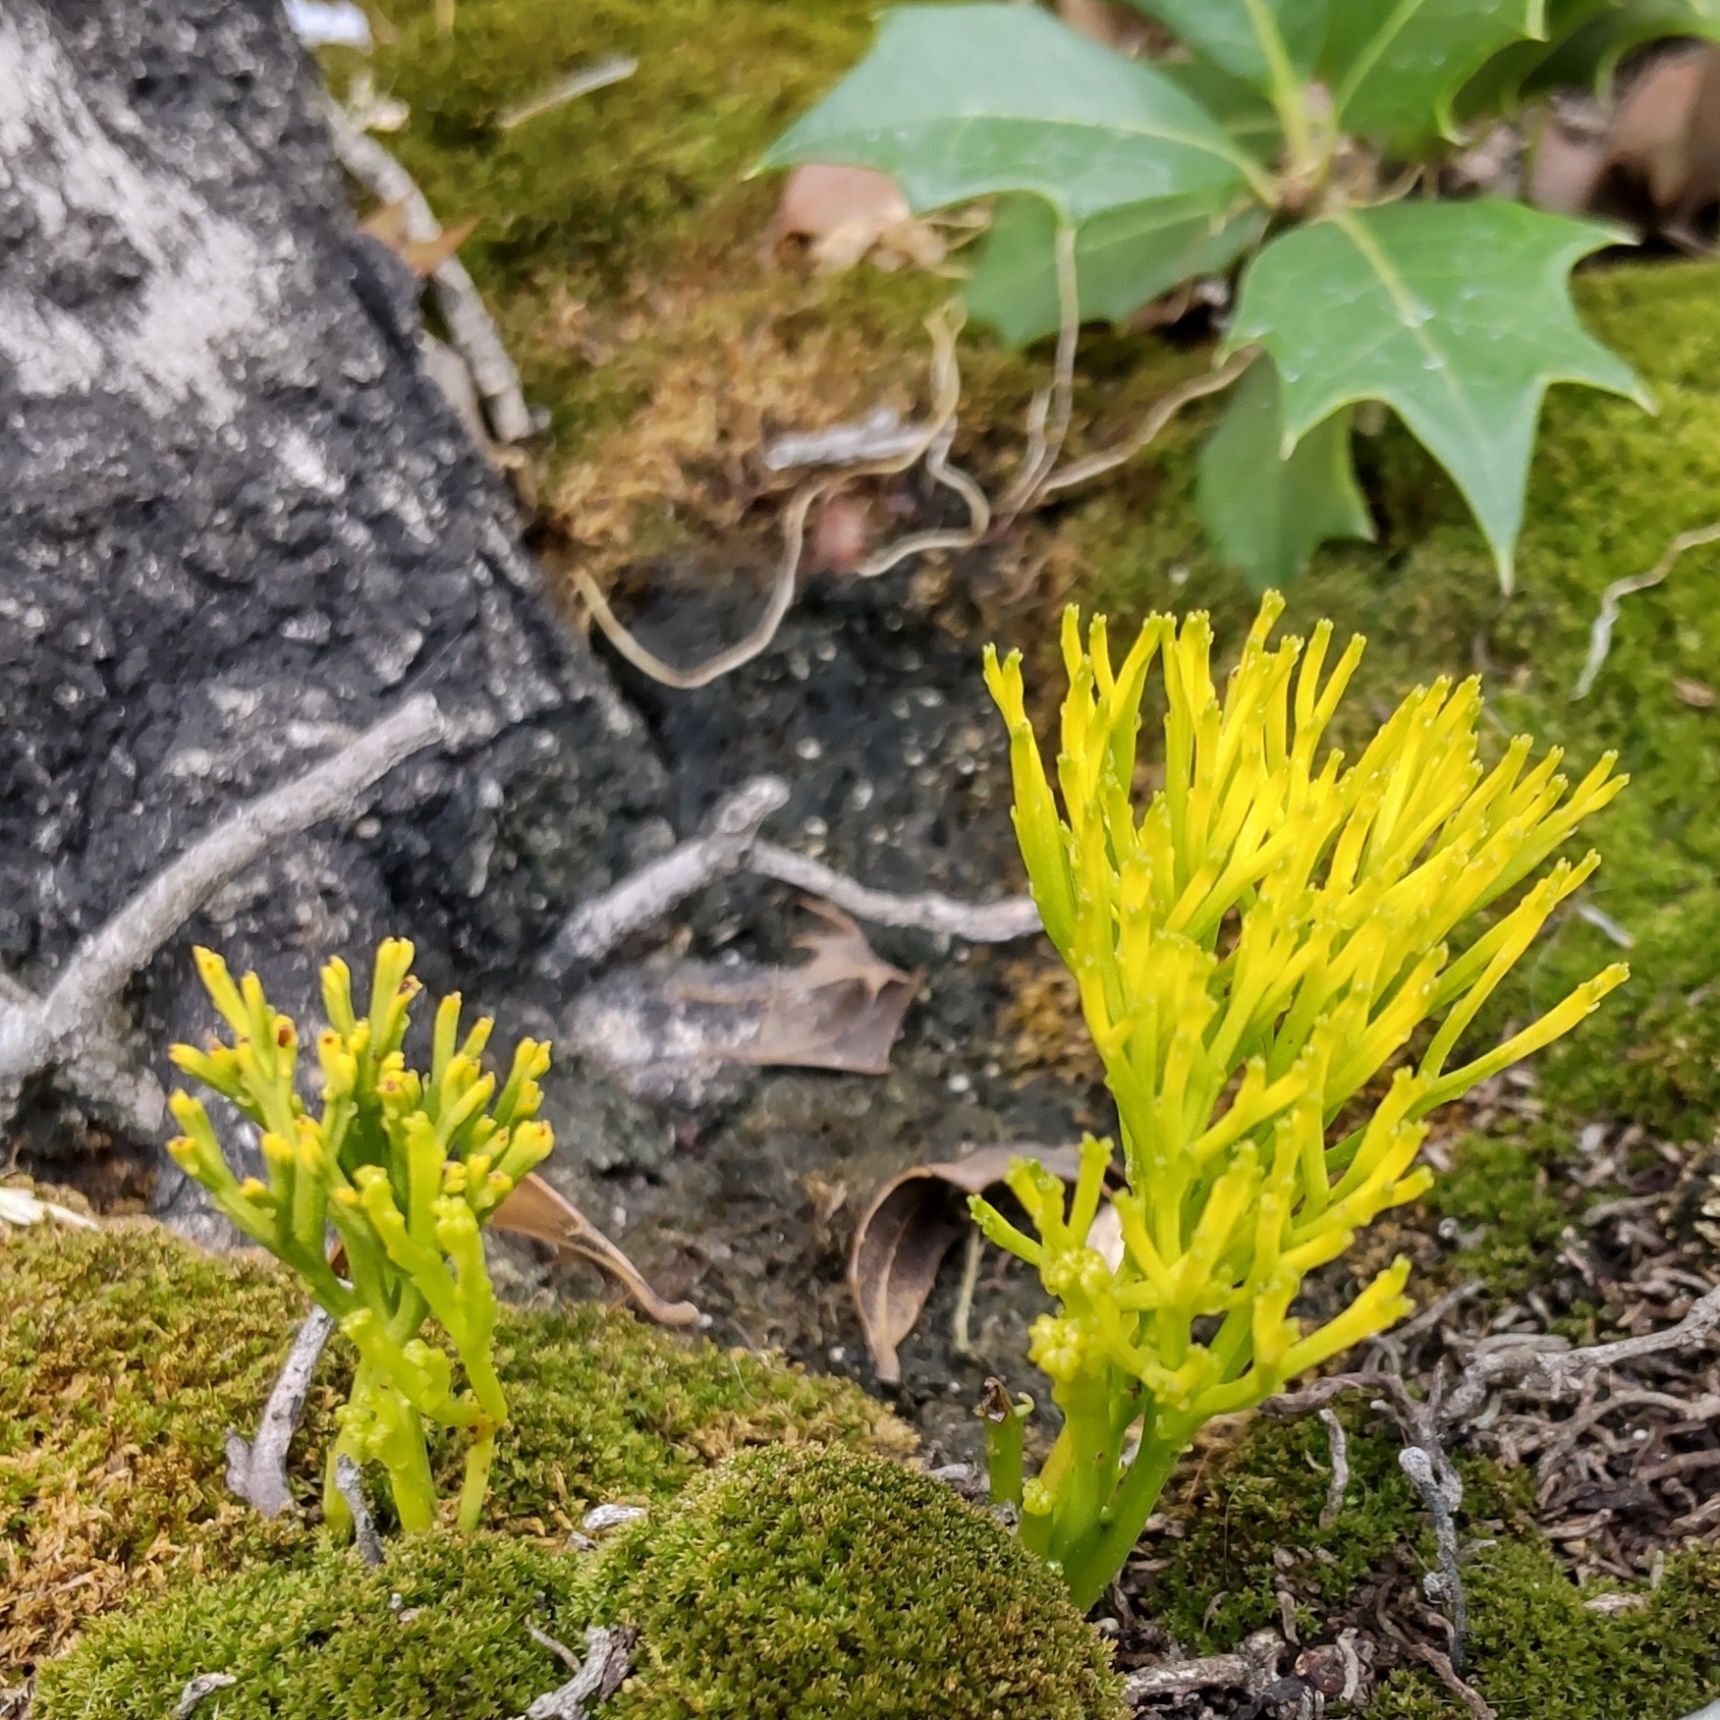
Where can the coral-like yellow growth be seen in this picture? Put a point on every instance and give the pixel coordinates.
(1253, 951)
(404, 1167)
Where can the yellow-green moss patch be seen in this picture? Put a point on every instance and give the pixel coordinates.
(128, 1354)
(787, 1584)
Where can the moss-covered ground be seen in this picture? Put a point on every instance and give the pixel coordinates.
(792, 1585)
(631, 268)
(125, 1355)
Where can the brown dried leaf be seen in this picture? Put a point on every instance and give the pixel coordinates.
(537, 1210)
(1665, 136)
(843, 1009)
(1113, 23)
(846, 212)
(909, 1228)
(1697, 694)
(387, 225)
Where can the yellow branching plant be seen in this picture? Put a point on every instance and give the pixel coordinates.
(1278, 959)
(403, 1168)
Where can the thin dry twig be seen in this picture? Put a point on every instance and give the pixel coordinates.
(730, 843)
(349, 1484)
(1606, 619)
(1477, 1705)
(1163, 411)
(1250, 1668)
(1339, 1442)
(257, 1471)
(470, 330)
(998, 922)
(204, 1684)
(1048, 426)
(1447, 1591)
(880, 435)
(1533, 1364)
(599, 75)
(943, 326)
(59, 1027)
(608, 1660)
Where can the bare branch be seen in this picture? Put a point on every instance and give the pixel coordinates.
(57, 1029)
(730, 843)
(1447, 1591)
(1339, 1441)
(608, 1660)
(204, 1684)
(1250, 1668)
(349, 1484)
(661, 885)
(880, 435)
(1533, 1364)
(257, 1471)
(997, 922)
(470, 330)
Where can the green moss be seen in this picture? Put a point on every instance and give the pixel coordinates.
(129, 1354)
(803, 1584)
(329, 1639)
(1244, 1505)
(1538, 1650)
(124, 1358)
(1500, 1199)
(787, 1584)
(628, 258)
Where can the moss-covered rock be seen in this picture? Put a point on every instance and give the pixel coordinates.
(814, 1583)
(787, 1584)
(326, 1639)
(125, 1355)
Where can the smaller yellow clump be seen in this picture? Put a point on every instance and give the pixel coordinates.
(1252, 951)
(405, 1168)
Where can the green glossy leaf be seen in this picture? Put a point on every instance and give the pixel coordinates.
(1239, 107)
(1123, 258)
(1396, 66)
(1265, 513)
(1262, 41)
(1501, 83)
(956, 102)
(1457, 315)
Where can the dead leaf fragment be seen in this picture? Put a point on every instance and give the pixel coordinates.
(387, 225)
(843, 1009)
(847, 212)
(1697, 694)
(538, 1211)
(1665, 136)
(1113, 23)
(909, 1228)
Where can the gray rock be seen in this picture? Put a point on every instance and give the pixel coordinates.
(238, 523)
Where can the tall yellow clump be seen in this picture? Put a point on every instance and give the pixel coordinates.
(1255, 950)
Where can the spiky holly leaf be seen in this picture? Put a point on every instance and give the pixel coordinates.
(1123, 259)
(956, 102)
(1457, 315)
(1265, 41)
(1267, 513)
(1396, 66)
